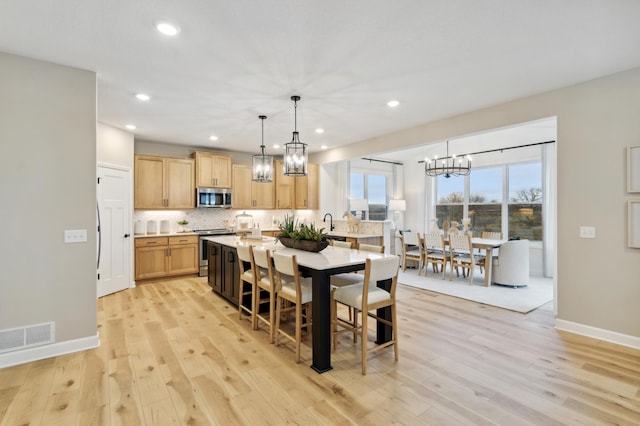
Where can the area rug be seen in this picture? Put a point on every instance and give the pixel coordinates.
(522, 299)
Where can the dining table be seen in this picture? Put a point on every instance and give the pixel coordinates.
(488, 245)
(320, 266)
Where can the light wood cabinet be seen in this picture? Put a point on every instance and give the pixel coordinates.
(306, 189)
(285, 192)
(213, 170)
(164, 183)
(248, 194)
(158, 257)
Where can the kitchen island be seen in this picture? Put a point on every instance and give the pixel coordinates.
(319, 266)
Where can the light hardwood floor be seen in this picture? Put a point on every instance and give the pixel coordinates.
(173, 352)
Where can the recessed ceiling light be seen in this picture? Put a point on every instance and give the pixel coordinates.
(323, 147)
(393, 103)
(167, 28)
(213, 137)
(143, 97)
(319, 130)
(276, 146)
(130, 127)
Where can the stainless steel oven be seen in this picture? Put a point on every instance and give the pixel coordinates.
(203, 251)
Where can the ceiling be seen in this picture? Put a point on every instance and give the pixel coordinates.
(236, 60)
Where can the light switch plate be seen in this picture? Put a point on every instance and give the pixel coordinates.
(75, 236)
(587, 232)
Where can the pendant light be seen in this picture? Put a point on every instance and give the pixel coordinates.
(262, 163)
(448, 166)
(296, 157)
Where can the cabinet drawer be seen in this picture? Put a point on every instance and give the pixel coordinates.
(187, 239)
(151, 242)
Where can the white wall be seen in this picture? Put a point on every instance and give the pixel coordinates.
(597, 279)
(47, 185)
(114, 146)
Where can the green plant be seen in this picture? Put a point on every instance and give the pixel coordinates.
(300, 231)
(183, 222)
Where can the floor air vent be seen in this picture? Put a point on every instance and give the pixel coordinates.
(25, 337)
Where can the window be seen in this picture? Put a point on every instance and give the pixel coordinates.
(525, 201)
(485, 199)
(506, 198)
(450, 199)
(373, 187)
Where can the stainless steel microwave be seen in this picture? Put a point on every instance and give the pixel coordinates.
(213, 197)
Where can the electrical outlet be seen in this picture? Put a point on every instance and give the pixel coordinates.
(75, 236)
(587, 232)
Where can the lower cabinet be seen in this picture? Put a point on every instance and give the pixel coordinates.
(158, 257)
(224, 271)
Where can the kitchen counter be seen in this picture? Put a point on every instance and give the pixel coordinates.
(167, 234)
(350, 235)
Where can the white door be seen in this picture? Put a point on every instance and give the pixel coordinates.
(114, 236)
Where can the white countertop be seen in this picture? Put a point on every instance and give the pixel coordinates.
(166, 234)
(350, 235)
(330, 257)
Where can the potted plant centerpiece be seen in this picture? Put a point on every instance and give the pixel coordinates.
(302, 236)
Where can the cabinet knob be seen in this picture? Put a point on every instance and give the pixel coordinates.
(127, 235)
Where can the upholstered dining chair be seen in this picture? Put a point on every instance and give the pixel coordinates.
(343, 244)
(366, 298)
(435, 252)
(461, 255)
(266, 282)
(247, 286)
(292, 288)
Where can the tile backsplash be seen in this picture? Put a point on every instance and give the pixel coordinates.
(214, 218)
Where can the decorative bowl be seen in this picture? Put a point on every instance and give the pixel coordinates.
(306, 245)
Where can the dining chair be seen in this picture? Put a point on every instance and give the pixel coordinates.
(366, 298)
(343, 244)
(411, 250)
(247, 284)
(461, 255)
(491, 235)
(292, 288)
(435, 252)
(374, 248)
(262, 260)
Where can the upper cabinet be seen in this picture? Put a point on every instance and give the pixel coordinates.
(299, 192)
(306, 189)
(213, 170)
(164, 183)
(248, 194)
(285, 191)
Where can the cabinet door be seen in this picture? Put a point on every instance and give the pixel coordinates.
(183, 259)
(151, 262)
(222, 171)
(149, 183)
(306, 189)
(263, 195)
(231, 273)
(204, 170)
(284, 187)
(215, 266)
(242, 197)
(179, 181)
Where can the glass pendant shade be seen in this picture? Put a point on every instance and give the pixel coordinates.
(296, 156)
(262, 169)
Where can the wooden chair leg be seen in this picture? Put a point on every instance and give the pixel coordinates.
(364, 340)
(278, 316)
(394, 330)
(298, 330)
(272, 307)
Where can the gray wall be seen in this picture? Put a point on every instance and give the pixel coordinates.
(47, 185)
(598, 280)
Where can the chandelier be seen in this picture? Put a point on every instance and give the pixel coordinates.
(448, 166)
(262, 163)
(296, 157)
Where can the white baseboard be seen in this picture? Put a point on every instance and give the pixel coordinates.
(47, 351)
(598, 333)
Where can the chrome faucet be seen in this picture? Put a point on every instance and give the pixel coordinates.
(324, 219)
